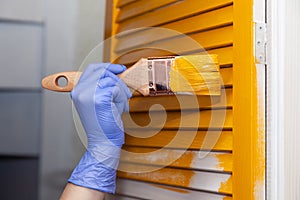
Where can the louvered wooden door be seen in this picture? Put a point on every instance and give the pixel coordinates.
(232, 166)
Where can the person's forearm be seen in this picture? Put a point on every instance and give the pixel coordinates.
(74, 192)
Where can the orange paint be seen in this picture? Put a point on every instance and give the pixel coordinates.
(172, 189)
(184, 8)
(174, 119)
(226, 186)
(166, 176)
(164, 137)
(246, 140)
(225, 162)
(248, 132)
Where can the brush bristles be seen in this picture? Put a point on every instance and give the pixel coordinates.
(198, 74)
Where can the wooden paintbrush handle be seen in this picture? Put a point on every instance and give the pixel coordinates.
(136, 77)
(51, 82)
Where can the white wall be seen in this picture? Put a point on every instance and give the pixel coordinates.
(73, 28)
(21, 64)
(292, 101)
(283, 100)
(24, 10)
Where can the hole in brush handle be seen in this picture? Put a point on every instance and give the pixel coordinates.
(61, 81)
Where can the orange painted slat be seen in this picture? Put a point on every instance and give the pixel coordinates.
(178, 158)
(206, 181)
(226, 74)
(171, 13)
(143, 190)
(122, 3)
(185, 119)
(181, 102)
(140, 7)
(224, 55)
(208, 20)
(179, 139)
(185, 43)
(214, 19)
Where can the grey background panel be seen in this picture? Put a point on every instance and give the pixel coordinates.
(25, 10)
(19, 179)
(19, 123)
(20, 55)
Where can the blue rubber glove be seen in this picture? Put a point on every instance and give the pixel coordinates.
(100, 98)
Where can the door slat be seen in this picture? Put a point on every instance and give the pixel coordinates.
(184, 9)
(179, 139)
(218, 18)
(140, 7)
(219, 162)
(207, 181)
(158, 191)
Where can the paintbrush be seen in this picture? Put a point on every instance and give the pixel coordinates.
(191, 74)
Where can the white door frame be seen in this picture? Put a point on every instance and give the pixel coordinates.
(283, 97)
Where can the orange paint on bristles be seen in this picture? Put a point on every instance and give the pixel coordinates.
(196, 74)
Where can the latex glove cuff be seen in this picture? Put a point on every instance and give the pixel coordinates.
(91, 173)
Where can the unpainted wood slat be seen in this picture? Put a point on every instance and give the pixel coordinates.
(181, 102)
(194, 42)
(189, 159)
(155, 191)
(122, 3)
(222, 140)
(171, 13)
(206, 181)
(214, 19)
(185, 119)
(140, 7)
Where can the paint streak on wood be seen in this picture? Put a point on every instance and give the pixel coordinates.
(178, 158)
(259, 190)
(172, 189)
(226, 185)
(179, 177)
(227, 198)
(224, 161)
(164, 175)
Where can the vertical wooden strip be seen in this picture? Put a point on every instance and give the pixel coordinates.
(108, 30)
(245, 121)
(114, 27)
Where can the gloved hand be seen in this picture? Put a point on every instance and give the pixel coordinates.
(100, 98)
